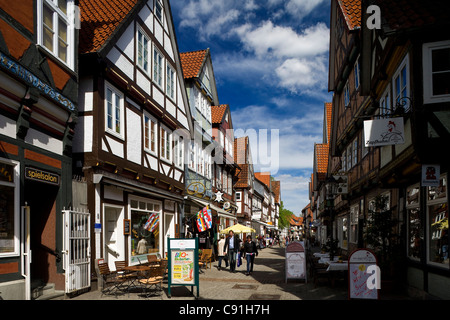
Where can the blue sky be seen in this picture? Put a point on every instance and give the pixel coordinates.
(270, 60)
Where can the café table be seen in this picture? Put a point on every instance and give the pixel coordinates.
(134, 273)
(337, 266)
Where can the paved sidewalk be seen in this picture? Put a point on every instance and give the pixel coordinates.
(267, 282)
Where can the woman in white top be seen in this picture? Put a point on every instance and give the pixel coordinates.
(221, 253)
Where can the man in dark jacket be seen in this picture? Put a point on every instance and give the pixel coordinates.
(232, 244)
(250, 250)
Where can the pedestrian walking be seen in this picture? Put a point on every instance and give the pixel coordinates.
(232, 244)
(250, 251)
(221, 253)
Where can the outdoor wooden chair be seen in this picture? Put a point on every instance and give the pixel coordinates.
(153, 280)
(152, 259)
(112, 282)
(205, 258)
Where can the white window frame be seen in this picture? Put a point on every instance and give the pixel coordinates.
(151, 120)
(170, 81)
(159, 11)
(354, 215)
(427, 49)
(166, 137)
(192, 156)
(238, 195)
(68, 18)
(158, 74)
(178, 150)
(16, 185)
(349, 157)
(398, 73)
(149, 51)
(118, 94)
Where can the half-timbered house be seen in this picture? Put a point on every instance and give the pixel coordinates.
(38, 110)
(134, 124)
(406, 72)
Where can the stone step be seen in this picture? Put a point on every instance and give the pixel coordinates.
(47, 291)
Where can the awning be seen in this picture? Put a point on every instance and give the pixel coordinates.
(268, 226)
(220, 211)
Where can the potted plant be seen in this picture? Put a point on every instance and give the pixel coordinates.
(382, 237)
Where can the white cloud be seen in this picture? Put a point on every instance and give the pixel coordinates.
(294, 191)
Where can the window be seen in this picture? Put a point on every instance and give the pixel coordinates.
(346, 95)
(436, 71)
(349, 157)
(178, 151)
(192, 156)
(114, 111)
(143, 44)
(56, 28)
(9, 208)
(145, 217)
(355, 151)
(437, 220)
(157, 67)
(356, 72)
(401, 84)
(343, 232)
(158, 9)
(414, 227)
(150, 133)
(165, 144)
(238, 196)
(344, 162)
(354, 213)
(385, 104)
(170, 82)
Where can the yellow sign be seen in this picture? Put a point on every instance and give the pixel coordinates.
(42, 176)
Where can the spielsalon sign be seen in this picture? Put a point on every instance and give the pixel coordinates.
(41, 176)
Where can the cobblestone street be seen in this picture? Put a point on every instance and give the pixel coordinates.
(267, 282)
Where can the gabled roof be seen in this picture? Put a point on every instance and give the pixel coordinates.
(296, 221)
(321, 154)
(276, 188)
(352, 13)
(218, 112)
(99, 21)
(264, 177)
(192, 62)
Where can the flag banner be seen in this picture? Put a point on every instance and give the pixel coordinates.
(208, 217)
(152, 222)
(201, 225)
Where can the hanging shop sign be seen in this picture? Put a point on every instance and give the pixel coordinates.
(42, 176)
(363, 275)
(384, 132)
(183, 263)
(430, 175)
(341, 183)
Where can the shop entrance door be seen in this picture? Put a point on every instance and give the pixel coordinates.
(114, 238)
(41, 200)
(169, 228)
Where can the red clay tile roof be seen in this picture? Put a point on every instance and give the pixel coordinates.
(352, 13)
(192, 62)
(276, 190)
(99, 19)
(321, 153)
(264, 177)
(296, 221)
(217, 113)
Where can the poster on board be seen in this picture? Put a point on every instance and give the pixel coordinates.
(295, 261)
(360, 264)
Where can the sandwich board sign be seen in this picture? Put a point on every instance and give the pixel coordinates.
(183, 263)
(363, 275)
(295, 261)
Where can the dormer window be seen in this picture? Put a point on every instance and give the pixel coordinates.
(56, 25)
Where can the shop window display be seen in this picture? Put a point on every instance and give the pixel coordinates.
(415, 232)
(7, 208)
(145, 218)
